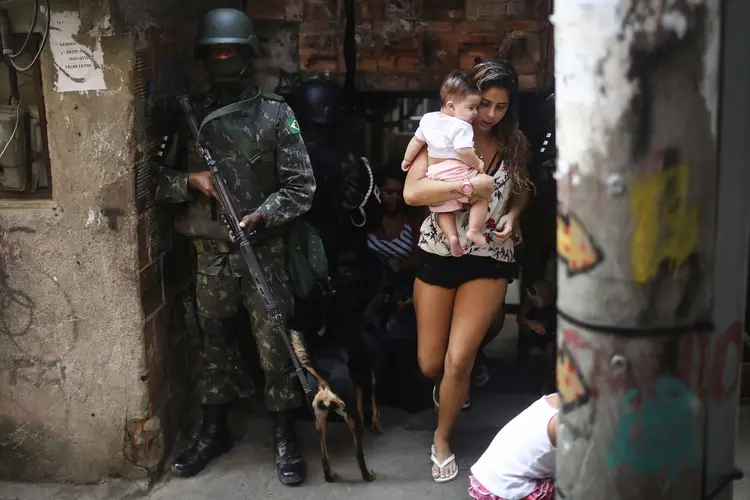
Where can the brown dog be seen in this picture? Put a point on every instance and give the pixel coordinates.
(337, 394)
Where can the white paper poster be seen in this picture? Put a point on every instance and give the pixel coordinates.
(78, 67)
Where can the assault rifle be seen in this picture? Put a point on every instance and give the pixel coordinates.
(241, 237)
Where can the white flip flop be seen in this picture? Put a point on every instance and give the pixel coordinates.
(442, 465)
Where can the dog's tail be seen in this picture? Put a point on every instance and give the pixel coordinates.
(300, 350)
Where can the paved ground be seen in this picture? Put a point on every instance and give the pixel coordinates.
(400, 458)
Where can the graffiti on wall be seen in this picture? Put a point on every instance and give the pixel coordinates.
(575, 245)
(713, 374)
(666, 224)
(724, 376)
(573, 389)
(659, 433)
(33, 371)
(16, 306)
(18, 364)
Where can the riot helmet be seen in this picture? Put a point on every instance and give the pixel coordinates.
(320, 101)
(226, 41)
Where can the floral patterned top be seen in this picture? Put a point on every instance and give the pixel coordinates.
(433, 240)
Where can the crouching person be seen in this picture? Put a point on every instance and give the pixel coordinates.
(520, 462)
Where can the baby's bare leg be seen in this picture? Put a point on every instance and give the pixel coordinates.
(447, 224)
(477, 216)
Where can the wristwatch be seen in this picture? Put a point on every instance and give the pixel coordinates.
(467, 188)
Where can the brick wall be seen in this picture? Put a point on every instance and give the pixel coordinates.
(402, 45)
(165, 258)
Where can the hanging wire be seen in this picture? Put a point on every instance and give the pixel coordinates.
(28, 35)
(12, 57)
(15, 130)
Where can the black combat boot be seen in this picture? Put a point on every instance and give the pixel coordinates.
(211, 441)
(290, 466)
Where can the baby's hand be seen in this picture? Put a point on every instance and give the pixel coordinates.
(405, 165)
(480, 166)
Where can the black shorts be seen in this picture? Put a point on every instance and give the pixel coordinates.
(452, 272)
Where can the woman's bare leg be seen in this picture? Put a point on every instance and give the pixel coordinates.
(433, 306)
(476, 305)
(447, 223)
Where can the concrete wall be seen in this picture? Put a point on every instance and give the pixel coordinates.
(71, 343)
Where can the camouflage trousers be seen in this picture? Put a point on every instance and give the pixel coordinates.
(222, 285)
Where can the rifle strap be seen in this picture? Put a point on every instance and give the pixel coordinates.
(226, 110)
(231, 128)
(240, 140)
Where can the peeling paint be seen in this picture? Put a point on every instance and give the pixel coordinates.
(710, 86)
(103, 27)
(94, 218)
(593, 60)
(588, 32)
(675, 21)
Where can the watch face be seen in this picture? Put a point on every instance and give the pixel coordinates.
(467, 188)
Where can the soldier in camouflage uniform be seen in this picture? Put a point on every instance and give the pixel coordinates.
(264, 161)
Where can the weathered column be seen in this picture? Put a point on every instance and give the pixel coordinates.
(637, 105)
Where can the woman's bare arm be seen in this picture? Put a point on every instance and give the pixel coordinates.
(421, 191)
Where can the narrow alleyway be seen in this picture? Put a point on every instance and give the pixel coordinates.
(400, 458)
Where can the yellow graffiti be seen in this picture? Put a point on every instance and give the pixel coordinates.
(575, 246)
(666, 225)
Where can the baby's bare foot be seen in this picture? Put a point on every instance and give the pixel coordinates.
(455, 244)
(476, 237)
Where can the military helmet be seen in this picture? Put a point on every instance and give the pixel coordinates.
(320, 101)
(227, 27)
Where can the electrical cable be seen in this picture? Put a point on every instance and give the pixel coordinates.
(31, 31)
(41, 45)
(700, 327)
(15, 130)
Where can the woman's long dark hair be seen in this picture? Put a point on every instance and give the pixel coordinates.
(514, 147)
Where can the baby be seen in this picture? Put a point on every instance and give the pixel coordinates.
(450, 147)
(520, 462)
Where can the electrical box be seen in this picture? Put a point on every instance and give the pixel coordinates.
(15, 171)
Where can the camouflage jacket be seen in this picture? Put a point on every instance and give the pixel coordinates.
(280, 185)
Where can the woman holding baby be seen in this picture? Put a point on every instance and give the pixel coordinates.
(468, 163)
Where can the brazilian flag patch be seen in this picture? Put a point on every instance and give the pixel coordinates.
(293, 125)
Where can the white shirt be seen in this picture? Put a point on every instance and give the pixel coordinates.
(520, 455)
(444, 135)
